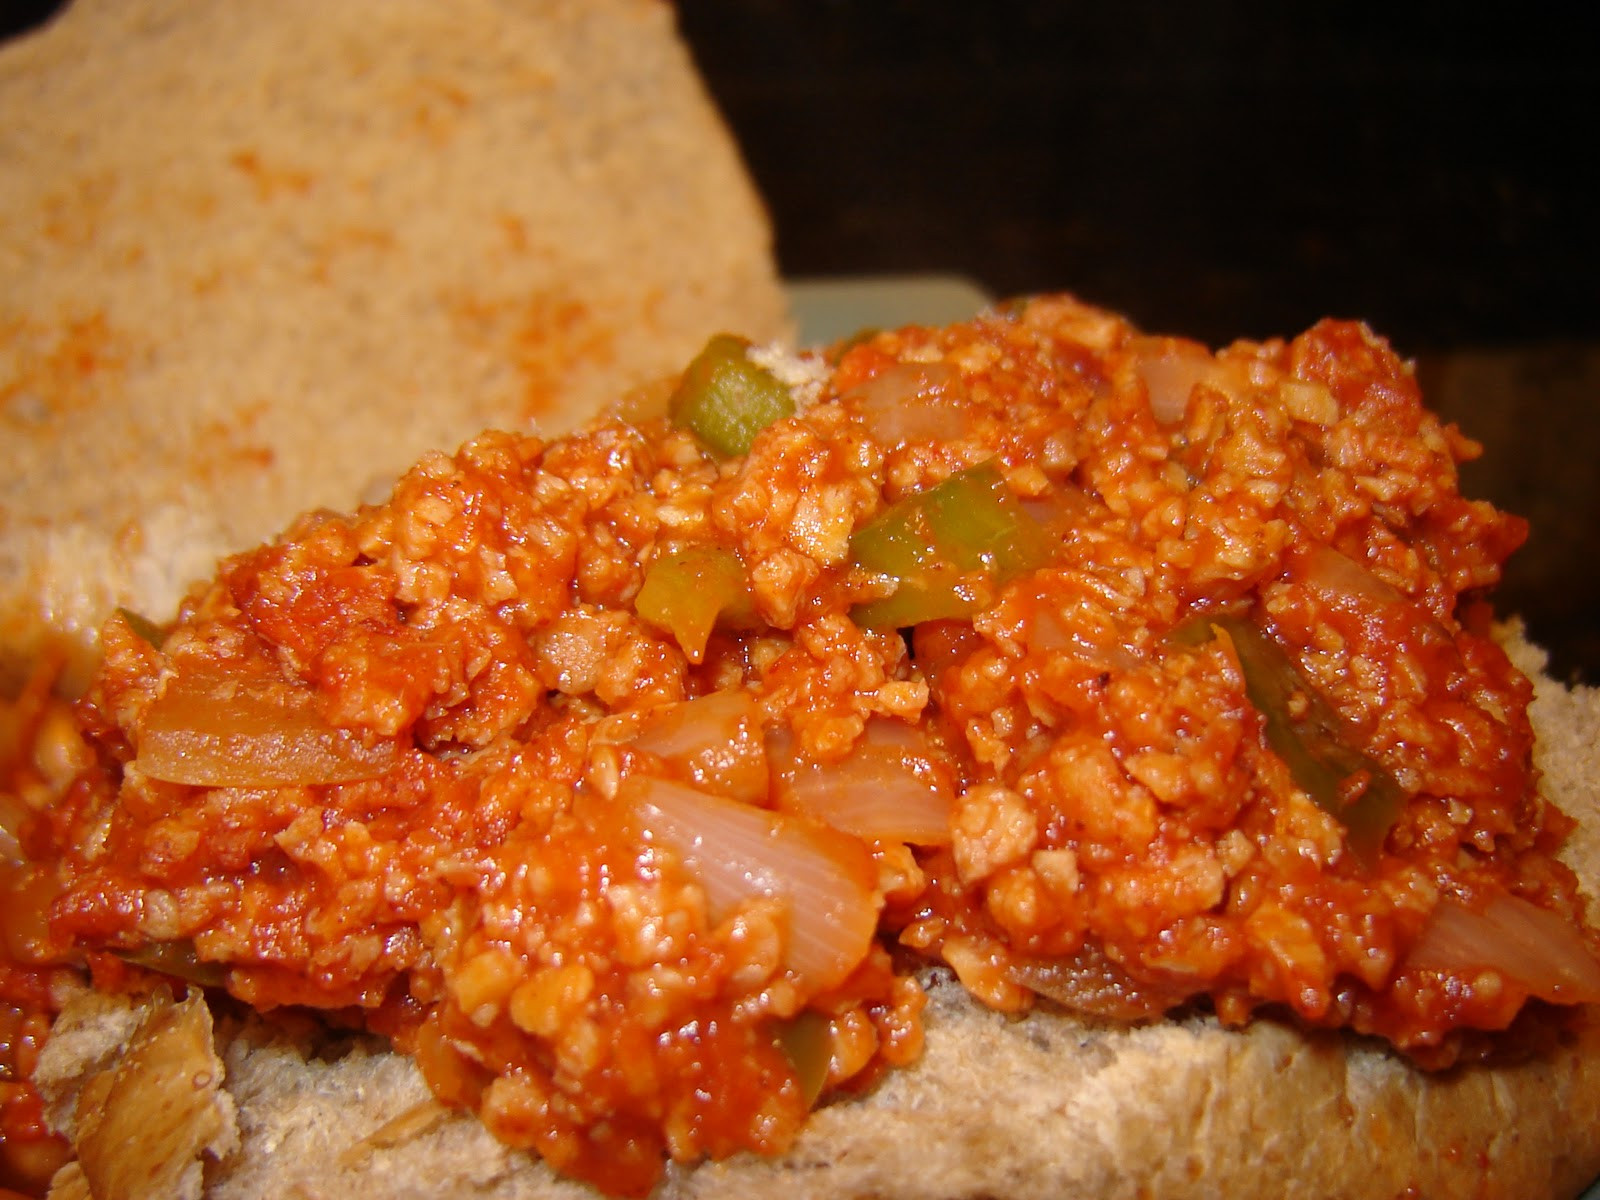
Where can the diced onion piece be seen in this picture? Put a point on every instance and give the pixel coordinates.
(159, 1107)
(717, 741)
(739, 853)
(1092, 638)
(1308, 400)
(688, 593)
(912, 402)
(725, 398)
(14, 814)
(1170, 371)
(1090, 982)
(213, 728)
(1535, 948)
(890, 787)
(26, 892)
(1335, 577)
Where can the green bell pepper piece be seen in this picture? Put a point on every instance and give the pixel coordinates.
(1312, 739)
(949, 550)
(687, 593)
(804, 1040)
(725, 399)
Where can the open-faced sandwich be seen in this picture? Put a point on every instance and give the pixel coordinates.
(259, 257)
(1020, 758)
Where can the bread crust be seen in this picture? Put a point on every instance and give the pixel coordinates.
(1043, 1106)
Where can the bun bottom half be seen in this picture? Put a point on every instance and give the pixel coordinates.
(1043, 1106)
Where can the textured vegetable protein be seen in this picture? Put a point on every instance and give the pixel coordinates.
(632, 781)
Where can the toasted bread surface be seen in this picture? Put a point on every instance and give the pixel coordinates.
(259, 257)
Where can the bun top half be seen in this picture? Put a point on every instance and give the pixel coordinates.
(259, 257)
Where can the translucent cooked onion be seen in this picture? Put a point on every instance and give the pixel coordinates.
(1171, 373)
(912, 402)
(1334, 576)
(1537, 949)
(26, 893)
(211, 728)
(716, 739)
(739, 853)
(13, 815)
(1090, 982)
(1061, 509)
(890, 787)
(1092, 638)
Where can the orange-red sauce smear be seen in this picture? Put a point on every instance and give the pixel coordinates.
(41, 750)
(427, 762)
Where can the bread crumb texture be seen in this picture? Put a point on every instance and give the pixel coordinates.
(259, 257)
(145, 1119)
(1046, 1106)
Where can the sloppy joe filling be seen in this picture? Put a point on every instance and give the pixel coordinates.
(628, 780)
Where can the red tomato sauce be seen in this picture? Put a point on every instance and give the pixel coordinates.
(428, 763)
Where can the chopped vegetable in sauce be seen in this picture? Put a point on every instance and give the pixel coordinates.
(687, 593)
(217, 729)
(1310, 737)
(946, 550)
(725, 399)
(143, 627)
(805, 1040)
(177, 959)
(603, 776)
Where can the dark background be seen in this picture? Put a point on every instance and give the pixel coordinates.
(1228, 170)
(1222, 169)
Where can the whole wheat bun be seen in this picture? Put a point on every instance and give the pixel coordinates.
(260, 256)
(1047, 1106)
